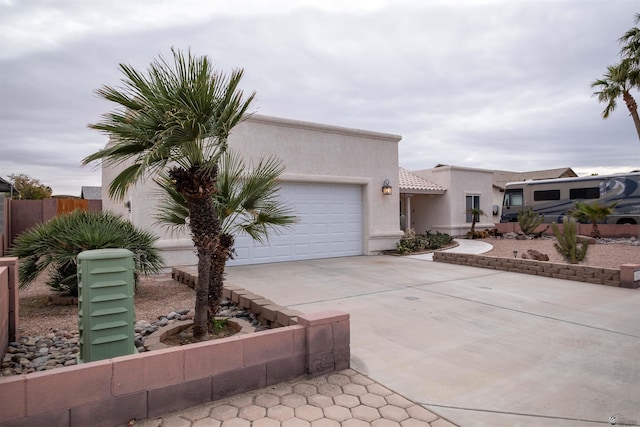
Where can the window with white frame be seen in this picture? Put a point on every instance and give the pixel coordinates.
(472, 201)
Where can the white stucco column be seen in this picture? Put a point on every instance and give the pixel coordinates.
(407, 208)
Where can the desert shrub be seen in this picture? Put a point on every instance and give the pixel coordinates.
(412, 242)
(567, 241)
(529, 220)
(54, 246)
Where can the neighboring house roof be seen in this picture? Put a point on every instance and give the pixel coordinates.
(410, 183)
(7, 187)
(91, 193)
(501, 178)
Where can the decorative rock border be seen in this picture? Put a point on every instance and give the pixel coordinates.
(154, 341)
(268, 312)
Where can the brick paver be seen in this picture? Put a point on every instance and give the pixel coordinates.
(342, 399)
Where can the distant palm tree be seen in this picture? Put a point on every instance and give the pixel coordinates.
(631, 43)
(247, 202)
(616, 83)
(475, 217)
(176, 117)
(593, 213)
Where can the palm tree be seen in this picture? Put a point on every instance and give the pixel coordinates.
(616, 83)
(247, 202)
(176, 117)
(595, 212)
(475, 217)
(631, 44)
(53, 247)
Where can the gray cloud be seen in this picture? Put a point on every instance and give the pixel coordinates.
(496, 85)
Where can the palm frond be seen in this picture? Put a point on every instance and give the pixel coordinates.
(246, 201)
(179, 110)
(172, 209)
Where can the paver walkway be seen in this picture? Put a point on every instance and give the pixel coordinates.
(343, 399)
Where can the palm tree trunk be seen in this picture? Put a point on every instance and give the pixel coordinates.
(595, 232)
(633, 109)
(216, 280)
(197, 187)
(636, 121)
(204, 223)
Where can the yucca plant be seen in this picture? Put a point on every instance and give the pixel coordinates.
(53, 247)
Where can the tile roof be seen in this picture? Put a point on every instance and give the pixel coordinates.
(412, 183)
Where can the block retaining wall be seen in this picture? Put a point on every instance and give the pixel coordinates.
(576, 272)
(115, 391)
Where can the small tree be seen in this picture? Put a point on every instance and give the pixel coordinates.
(247, 202)
(529, 220)
(593, 213)
(30, 188)
(55, 245)
(567, 241)
(176, 117)
(475, 217)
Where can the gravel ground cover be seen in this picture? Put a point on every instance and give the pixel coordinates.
(606, 253)
(155, 297)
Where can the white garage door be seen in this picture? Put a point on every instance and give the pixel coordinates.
(329, 225)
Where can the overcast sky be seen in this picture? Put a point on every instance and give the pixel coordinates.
(494, 84)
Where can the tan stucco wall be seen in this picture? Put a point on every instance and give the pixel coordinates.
(312, 153)
(425, 211)
(448, 215)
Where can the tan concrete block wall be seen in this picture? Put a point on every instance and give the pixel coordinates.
(579, 273)
(162, 381)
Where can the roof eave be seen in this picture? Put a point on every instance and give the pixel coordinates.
(416, 191)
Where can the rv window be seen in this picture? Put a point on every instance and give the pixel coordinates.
(546, 195)
(513, 198)
(584, 193)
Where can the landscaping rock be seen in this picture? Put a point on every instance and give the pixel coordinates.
(535, 255)
(60, 348)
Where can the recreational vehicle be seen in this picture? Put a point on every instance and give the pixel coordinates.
(554, 198)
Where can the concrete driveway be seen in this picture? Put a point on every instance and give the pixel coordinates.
(479, 347)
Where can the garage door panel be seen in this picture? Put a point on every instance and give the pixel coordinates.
(329, 225)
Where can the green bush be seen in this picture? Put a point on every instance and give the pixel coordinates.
(412, 242)
(55, 245)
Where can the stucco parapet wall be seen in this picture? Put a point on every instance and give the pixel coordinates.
(139, 386)
(278, 121)
(575, 272)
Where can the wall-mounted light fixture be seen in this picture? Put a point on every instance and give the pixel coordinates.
(386, 188)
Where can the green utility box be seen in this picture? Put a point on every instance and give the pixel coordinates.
(105, 304)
